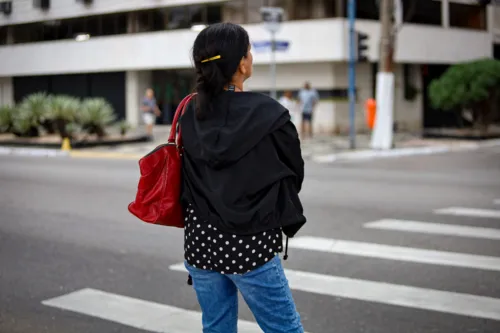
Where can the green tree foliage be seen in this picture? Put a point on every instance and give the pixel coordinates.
(474, 85)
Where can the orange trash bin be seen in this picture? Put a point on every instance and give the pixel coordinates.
(370, 112)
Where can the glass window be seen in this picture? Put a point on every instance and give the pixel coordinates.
(422, 12)
(468, 16)
(214, 14)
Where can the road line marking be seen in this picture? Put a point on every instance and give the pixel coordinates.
(105, 155)
(435, 228)
(392, 294)
(463, 211)
(396, 253)
(145, 315)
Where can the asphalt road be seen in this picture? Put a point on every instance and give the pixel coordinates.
(64, 227)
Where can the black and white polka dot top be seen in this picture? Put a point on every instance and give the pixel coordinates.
(206, 247)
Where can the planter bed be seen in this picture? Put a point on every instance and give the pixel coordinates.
(461, 133)
(54, 141)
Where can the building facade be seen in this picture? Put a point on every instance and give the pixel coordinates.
(118, 48)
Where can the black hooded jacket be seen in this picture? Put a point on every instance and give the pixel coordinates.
(242, 165)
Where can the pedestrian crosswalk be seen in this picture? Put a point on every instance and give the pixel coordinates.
(156, 317)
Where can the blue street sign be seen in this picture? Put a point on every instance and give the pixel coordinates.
(265, 46)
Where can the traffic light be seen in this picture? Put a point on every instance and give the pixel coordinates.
(362, 47)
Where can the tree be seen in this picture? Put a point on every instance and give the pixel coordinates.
(473, 85)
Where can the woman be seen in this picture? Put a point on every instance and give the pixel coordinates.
(287, 101)
(242, 171)
(150, 111)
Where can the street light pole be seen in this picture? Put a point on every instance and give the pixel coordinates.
(273, 65)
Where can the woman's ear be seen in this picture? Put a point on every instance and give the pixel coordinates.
(242, 67)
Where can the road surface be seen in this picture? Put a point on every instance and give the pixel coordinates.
(408, 245)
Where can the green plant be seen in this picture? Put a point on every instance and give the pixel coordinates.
(25, 124)
(63, 110)
(95, 115)
(124, 127)
(474, 85)
(71, 130)
(34, 110)
(6, 118)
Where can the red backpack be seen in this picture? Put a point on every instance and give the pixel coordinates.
(159, 190)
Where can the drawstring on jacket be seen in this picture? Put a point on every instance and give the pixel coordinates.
(285, 257)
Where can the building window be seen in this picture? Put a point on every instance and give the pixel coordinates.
(422, 12)
(468, 16)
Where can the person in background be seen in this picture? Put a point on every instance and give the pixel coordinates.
(242, 171)
(308, 99)
(287, 101)
(150, 111)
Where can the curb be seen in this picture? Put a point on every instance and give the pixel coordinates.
(363, 155)
(33, 152)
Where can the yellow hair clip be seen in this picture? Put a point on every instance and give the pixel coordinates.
(211, 59)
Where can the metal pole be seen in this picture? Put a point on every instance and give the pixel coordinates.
(352, 74)
(273, 66)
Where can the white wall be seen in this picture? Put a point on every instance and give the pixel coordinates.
(408, 114)
(23, 10)
(293, 76)
(6, 91)
(311, 41)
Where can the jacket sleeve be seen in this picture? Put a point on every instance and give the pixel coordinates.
(286, 140)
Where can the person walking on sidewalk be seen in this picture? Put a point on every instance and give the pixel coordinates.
(150, 111)
(308, 98)
(242, 172)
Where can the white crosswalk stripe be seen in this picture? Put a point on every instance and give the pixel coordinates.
(144, 315)
(435, 228)
(471, 212)
(160, 318)
(393, 294)
(395, 253)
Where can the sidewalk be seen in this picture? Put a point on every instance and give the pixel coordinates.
(321, 149)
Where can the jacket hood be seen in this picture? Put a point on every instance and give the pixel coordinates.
(237, 122)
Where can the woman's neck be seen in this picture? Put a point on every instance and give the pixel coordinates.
(237, 87)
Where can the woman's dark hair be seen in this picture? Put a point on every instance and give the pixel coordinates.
(230, 42)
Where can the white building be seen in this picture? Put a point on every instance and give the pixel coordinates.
(135, 44)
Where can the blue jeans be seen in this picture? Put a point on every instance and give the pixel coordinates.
(264, 289)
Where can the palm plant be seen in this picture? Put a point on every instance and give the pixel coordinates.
(33, 112)
(95, 115)
(63, 111)
(6, 118)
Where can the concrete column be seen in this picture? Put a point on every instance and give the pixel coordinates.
(6, 91)
(490, 18)
(339, 9)
(10, 36)
(445, 13)
(135, 86)
(132, 23)
(318, 9)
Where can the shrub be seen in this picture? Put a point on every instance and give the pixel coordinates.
(33, 112)
(95, 115)
(474, 85)
(63, 111)
(6, 118)
(124, 127)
